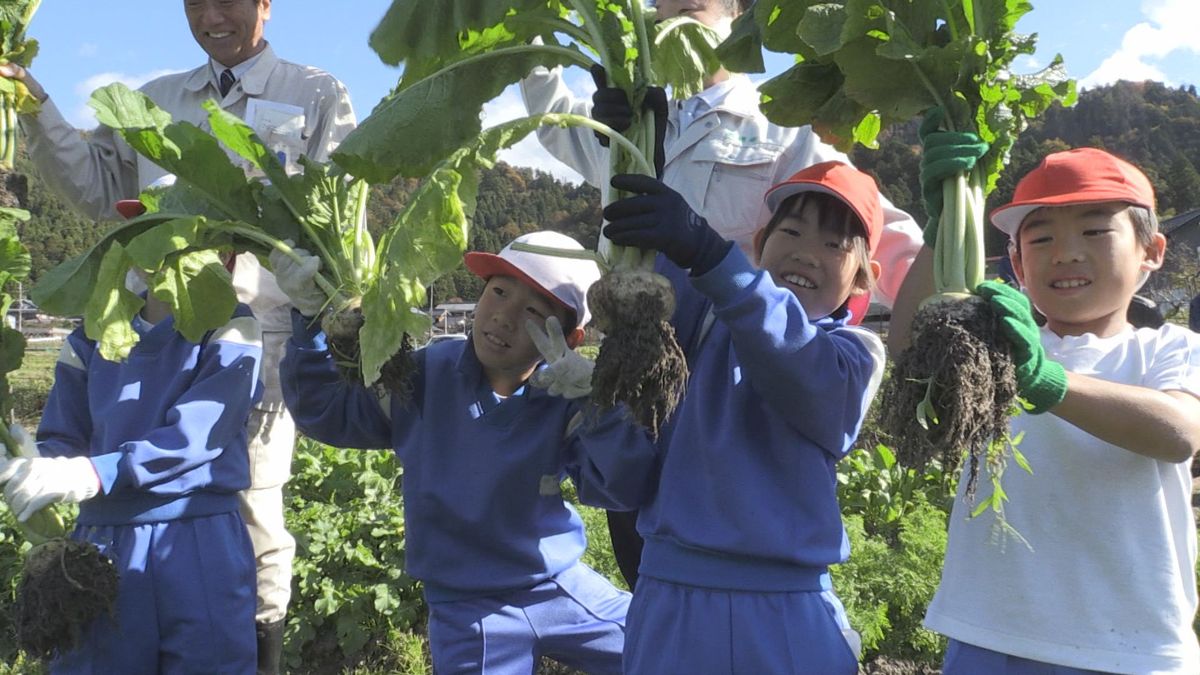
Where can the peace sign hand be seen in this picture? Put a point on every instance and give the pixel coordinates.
(567, 374)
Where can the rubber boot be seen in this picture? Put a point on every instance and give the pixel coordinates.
(270, 646)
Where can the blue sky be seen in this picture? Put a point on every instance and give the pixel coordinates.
(86, 44)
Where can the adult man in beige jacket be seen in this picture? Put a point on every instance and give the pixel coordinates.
(297, 110)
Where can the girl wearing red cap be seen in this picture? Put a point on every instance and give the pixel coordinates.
(1106, 582)
(744, 521)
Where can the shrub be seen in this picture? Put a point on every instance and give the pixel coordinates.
(351, 602)
(895, 518)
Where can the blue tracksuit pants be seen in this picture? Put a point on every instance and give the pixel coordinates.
(576, 618)
(185, 602)
(675, 628)
(965, 659)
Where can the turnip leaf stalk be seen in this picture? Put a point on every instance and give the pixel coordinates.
(463, 56)
(863, 66)
(64, 584)
(14, 96)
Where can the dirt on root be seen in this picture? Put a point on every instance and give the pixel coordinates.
(65, 585)
(640, 362)
(342, 338)
(961, 361)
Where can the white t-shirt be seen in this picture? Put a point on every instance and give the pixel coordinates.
(1108, 580)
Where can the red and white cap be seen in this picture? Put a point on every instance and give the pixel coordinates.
(1080, 176)
(565, 281)
(855, 188)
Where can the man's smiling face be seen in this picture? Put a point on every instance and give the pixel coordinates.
(229, 31)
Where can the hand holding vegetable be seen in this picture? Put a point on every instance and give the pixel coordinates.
(298, 280)
(944, 154)
(659, 218)
(18, 72)
(567, 373)
(611, 107)
(1041, 382)
(33, 483)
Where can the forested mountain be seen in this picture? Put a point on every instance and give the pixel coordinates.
(1153, 125)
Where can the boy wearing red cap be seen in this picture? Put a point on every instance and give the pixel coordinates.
(1106, 583)
(488, 532)
(744, 521)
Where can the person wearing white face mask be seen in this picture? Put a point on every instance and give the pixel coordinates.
(719, 152)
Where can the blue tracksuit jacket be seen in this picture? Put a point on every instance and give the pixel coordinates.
(747, 497)
(166, 429)
(483, 511)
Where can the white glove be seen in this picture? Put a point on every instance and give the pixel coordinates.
(567, 374)
(34, 483)
(26, 446)
(297, 280)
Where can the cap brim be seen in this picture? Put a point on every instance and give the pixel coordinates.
(487, 265)
(1008, 218)
(777, 195)
(130, 208)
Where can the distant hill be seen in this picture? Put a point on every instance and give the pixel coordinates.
(1155, 126)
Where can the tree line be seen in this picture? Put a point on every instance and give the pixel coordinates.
(1155, 126)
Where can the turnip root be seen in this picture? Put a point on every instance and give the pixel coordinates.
(640, 363)
(65, 586)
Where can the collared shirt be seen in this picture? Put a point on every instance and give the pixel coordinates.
(709, 99)
(238, 71)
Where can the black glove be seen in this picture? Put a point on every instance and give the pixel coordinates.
(659, 218)
(611, 107)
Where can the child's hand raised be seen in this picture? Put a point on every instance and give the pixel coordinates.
(659, 218)
(567, 374)
(298, 280)
(1041, 382)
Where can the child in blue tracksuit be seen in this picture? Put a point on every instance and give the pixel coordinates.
(488, 532)
(154, 451)
(744, 523)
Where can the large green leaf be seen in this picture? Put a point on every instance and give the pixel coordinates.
(428, 240)
(416, 128)
(199, 289)
(414, 29)
(684, 54)
(67, 287)
(181, 148)
(110, 309)
(742, 51)
(12, 351)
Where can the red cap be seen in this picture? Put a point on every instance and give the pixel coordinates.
(855, 188)
(1080, 176)
(564, 281)
(130, 208)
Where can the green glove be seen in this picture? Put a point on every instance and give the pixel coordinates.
(944, 154)
(1040, 381)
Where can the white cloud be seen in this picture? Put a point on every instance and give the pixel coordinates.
(1170, 27)
(529, 152)
(84, 117)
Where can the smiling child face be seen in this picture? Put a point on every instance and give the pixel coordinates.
(1082, 263)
